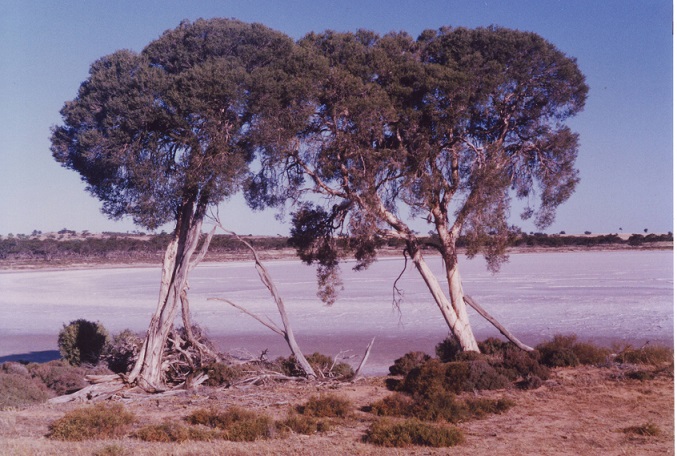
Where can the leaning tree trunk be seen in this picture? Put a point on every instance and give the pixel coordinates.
(459, 327)
(148, 370)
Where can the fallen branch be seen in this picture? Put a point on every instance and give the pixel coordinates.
(270, 326)
(471, 302)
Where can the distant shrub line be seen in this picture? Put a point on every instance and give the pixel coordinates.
(118, 246)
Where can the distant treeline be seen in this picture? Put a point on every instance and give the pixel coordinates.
(123, 247)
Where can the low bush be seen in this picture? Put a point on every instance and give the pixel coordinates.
(412, 432)
(82, 342)
(174, 432)
(18, 390)
(567, 351)
(394, 405)
(448, 349)
(110, 450)
(455, 376)
(326, 406)
(654, 355)
(303, 424)
(237, 424)
(100, 421)
(411, 360)
(323, 366)
(121, 352)
(222, 374)
(59, 376)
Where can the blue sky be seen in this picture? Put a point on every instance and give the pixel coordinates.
(623, 47)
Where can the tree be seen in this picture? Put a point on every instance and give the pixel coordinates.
(160, 136)
(451, 126)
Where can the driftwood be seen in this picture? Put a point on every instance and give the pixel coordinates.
(480, 310)
(287, 331)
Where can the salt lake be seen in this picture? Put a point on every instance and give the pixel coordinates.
(606, 296)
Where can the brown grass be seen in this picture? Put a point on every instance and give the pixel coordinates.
(582, 410)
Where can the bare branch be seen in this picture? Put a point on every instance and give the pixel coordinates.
(270, 326)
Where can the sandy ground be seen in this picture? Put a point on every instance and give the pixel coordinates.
(579, 411)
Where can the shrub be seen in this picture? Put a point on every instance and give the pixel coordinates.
(654, 355)
(82, 342)
(110, 450)
(412, 432)
(406, 363)
(98, 422)
(559, 352)
(456, 376)
(121, 352)
(326, 406)
(590, 353)
(448, 349)
(238, 424)
(174, 432)
(223, 374)
(394, 405)
(302, 424)
(323, 366)
(59, 376)
(20, 390)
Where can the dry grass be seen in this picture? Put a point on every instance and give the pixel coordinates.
(582, 410)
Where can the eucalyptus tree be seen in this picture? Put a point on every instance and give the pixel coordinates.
(161, 135)
(451, 126)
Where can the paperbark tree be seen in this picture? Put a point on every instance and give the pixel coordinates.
(451, 126)
(161, 135)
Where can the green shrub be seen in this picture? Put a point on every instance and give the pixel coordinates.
(100, 421)
(59, 376)
(21, 390)
(327, 406)
(411, 360)
(121, 352)
(591, 354)
(237, 424)
(412, 432)
(455, 376)
(82, 342)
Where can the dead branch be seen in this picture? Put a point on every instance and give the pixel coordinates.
(364, 359)
(267, 280)
(472, 303)
(270, 326)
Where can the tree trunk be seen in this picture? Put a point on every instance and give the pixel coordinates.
(460, 329)
(147, 372)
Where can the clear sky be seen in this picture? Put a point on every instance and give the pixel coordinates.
(624, 47)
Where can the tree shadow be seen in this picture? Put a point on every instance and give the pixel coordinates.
(33, 357)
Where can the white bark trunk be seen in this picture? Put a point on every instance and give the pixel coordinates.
(147, 372)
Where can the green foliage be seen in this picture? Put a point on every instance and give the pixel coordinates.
(327, 406)
(396, 404)
(82, 342)
(388, 433)
(236, 423)
(100, 421)
(448, 349)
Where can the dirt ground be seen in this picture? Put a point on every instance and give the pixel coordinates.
(579, 411)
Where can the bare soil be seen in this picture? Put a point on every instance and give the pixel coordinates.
(578, 411)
